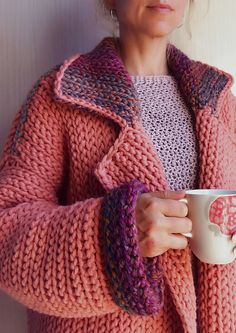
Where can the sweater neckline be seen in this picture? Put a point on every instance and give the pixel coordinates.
(152, 78)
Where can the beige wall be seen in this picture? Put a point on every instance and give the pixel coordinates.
(213, 34)
(35, 35)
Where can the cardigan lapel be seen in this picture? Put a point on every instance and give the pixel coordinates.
(98, 82)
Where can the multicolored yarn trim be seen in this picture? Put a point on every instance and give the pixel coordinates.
(98, 80)
(200, 83)
(136, 283)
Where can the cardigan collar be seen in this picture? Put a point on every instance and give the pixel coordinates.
(99, 81)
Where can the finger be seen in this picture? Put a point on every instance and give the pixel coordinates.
(173, 208)
(170, 225)
(167, 207)
(154, 246)
(177, 242)
(144, 199)
(175, 225)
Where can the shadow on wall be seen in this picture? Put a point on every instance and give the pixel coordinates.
(35, 36)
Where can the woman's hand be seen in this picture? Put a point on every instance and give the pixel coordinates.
(160, 219)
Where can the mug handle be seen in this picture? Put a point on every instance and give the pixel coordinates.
(188, 234)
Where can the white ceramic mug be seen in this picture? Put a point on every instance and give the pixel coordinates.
(213, 214)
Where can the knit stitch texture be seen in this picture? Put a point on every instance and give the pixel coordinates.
(169, 123)
(79, 138)
(136, 283)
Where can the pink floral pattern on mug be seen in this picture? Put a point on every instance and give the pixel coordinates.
(223, 213)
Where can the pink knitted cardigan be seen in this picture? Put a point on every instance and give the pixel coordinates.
(75, 160)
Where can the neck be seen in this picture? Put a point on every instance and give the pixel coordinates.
(142, 55)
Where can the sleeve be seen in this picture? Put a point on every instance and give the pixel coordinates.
(77, 260)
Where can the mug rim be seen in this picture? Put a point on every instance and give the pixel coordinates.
(211, 192)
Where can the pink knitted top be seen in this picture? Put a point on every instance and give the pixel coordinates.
(169, 123)
(75, 161)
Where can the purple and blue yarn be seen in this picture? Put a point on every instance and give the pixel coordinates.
(136, 283)
(99, 77)
(200, 84)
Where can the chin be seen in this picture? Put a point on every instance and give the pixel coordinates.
(160, 31)
(158, 34)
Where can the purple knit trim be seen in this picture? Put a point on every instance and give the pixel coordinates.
(136, 283)
(111, 85)
(200, 83)
(100, 79)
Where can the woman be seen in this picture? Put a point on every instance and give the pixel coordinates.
(91, 177)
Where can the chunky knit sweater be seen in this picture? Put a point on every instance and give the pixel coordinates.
(74, 162)
(168, 122)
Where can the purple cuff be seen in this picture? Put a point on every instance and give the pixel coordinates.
(136, 283)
